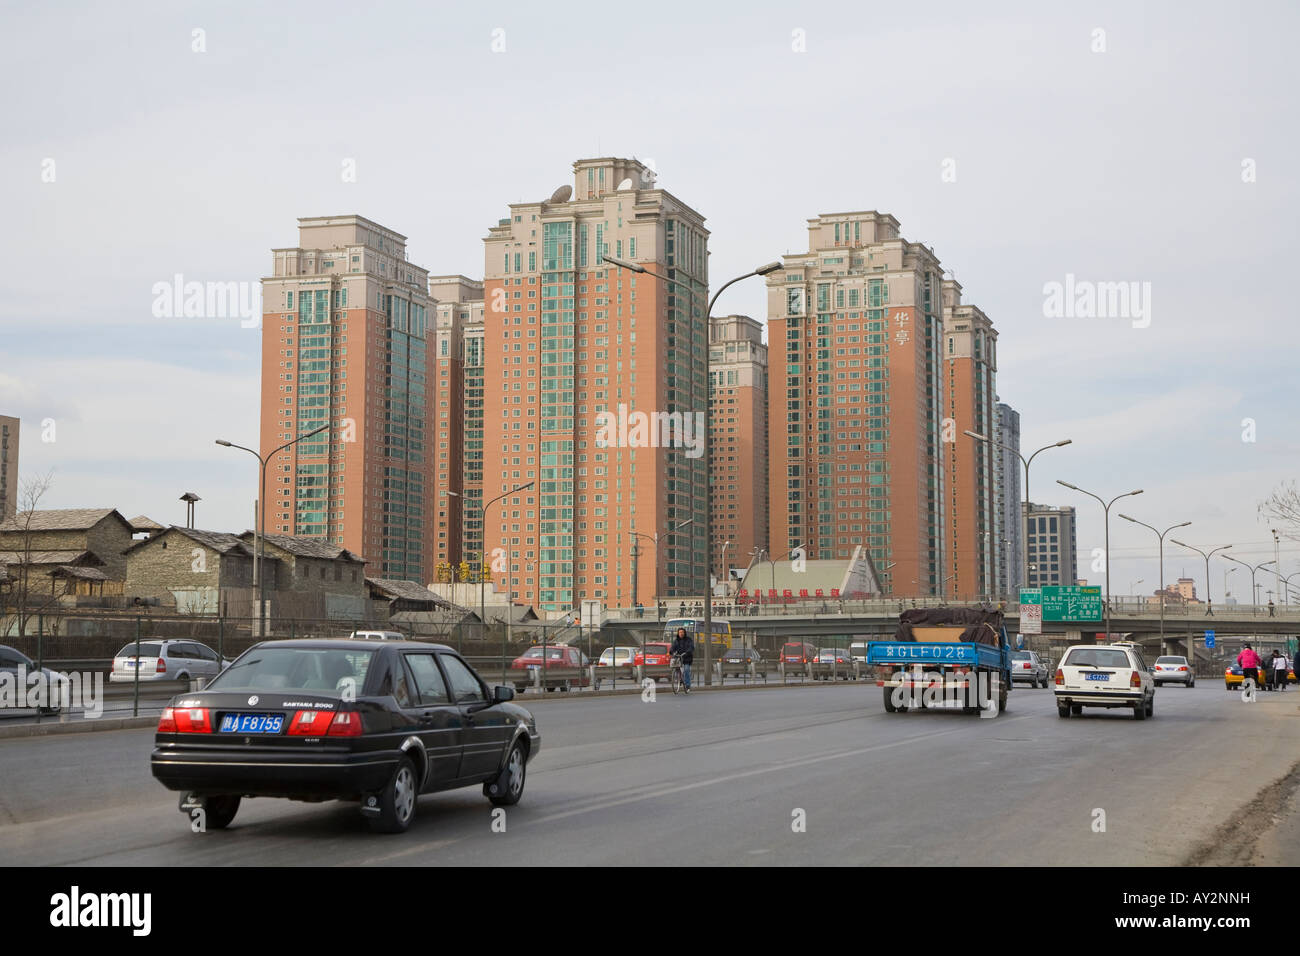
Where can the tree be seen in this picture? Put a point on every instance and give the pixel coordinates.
(26, 604)
(1283, 507)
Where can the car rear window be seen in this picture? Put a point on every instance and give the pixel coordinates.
(1171, 660)
(146, 650)
(328, 671)
(1097, 657)
(657, 648)
(1020, 655)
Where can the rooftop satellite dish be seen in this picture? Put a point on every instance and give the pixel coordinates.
(562, 194)
(625, 184)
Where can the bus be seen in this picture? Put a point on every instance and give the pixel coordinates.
(695, 628)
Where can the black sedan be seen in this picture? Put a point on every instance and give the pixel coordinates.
(380, 723)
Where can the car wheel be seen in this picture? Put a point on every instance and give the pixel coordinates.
(1151, 706)
(1140, 711)
(182, 676)
(1062, 710)
(396, 800)
(1192, 682)
(508, 787)
(568, 686)
(219, 811)
(1227, 686)
(1076, 710)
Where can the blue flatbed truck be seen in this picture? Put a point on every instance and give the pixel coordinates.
(950, 658)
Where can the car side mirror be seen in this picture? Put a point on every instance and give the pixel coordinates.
(501, 695)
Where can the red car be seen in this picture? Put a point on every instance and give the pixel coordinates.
(655, 653)
(557, 656)
(798, 653)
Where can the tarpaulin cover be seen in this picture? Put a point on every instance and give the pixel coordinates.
(978, 626)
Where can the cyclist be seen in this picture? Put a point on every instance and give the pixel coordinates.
(684, 648)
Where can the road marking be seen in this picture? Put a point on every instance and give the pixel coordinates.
(743, 774)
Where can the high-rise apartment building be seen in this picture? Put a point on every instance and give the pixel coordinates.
(457, 499)
(586, 365)
(972, 556)
(8, 466)
(856, 400)
(345, 342)
(1052, 546)
(738, 445)
(1009, 501)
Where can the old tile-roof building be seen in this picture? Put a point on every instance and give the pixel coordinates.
(73, 537)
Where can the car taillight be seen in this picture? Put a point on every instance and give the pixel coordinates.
(1135, 679)
(345, 724)
(310, 723)
(185, 720)
(162, 666)
(1060, 676)
(1182, 668)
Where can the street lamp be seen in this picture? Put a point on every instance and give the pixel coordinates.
(1286, 589)
(259, 549)
(1226, 592)
(1024, 516)
(636, 553)
(1105, 507)
(1209, 605)
(762, 270)
(1132, 586)
(1254, 595)
(482, 590)
(1161, 536)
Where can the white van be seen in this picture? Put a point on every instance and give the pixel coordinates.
(377, 636)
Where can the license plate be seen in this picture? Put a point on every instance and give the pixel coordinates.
(1098, 677)
(252, 723)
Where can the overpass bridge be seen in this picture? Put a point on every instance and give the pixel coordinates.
(818, 622)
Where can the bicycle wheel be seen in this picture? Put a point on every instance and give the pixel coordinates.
(677, 680)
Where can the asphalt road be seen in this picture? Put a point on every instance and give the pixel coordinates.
(718, 778)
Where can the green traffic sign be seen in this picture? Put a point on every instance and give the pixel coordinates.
(1069, 603)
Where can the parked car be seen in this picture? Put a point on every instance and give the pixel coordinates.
(1111, 675)
(1025, 666)
(840, 658)
(746, 655)
(797, 652)
(656, 653)
(280, 722)
(614, 657)
(165, 660)
(1173, 669)
(11, 661)
(559, 656)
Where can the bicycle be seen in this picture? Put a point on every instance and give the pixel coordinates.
(676, 677)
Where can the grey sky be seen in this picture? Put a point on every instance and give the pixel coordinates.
(1111, 166)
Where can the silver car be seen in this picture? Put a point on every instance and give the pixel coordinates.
(16, 669)
(1025, 666)
(165, 660)
(1173, 669)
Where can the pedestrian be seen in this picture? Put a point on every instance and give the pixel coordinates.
(1271, 607)
(681, 609)
(1249, 662)
(1279, 670)
(1209, 608)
